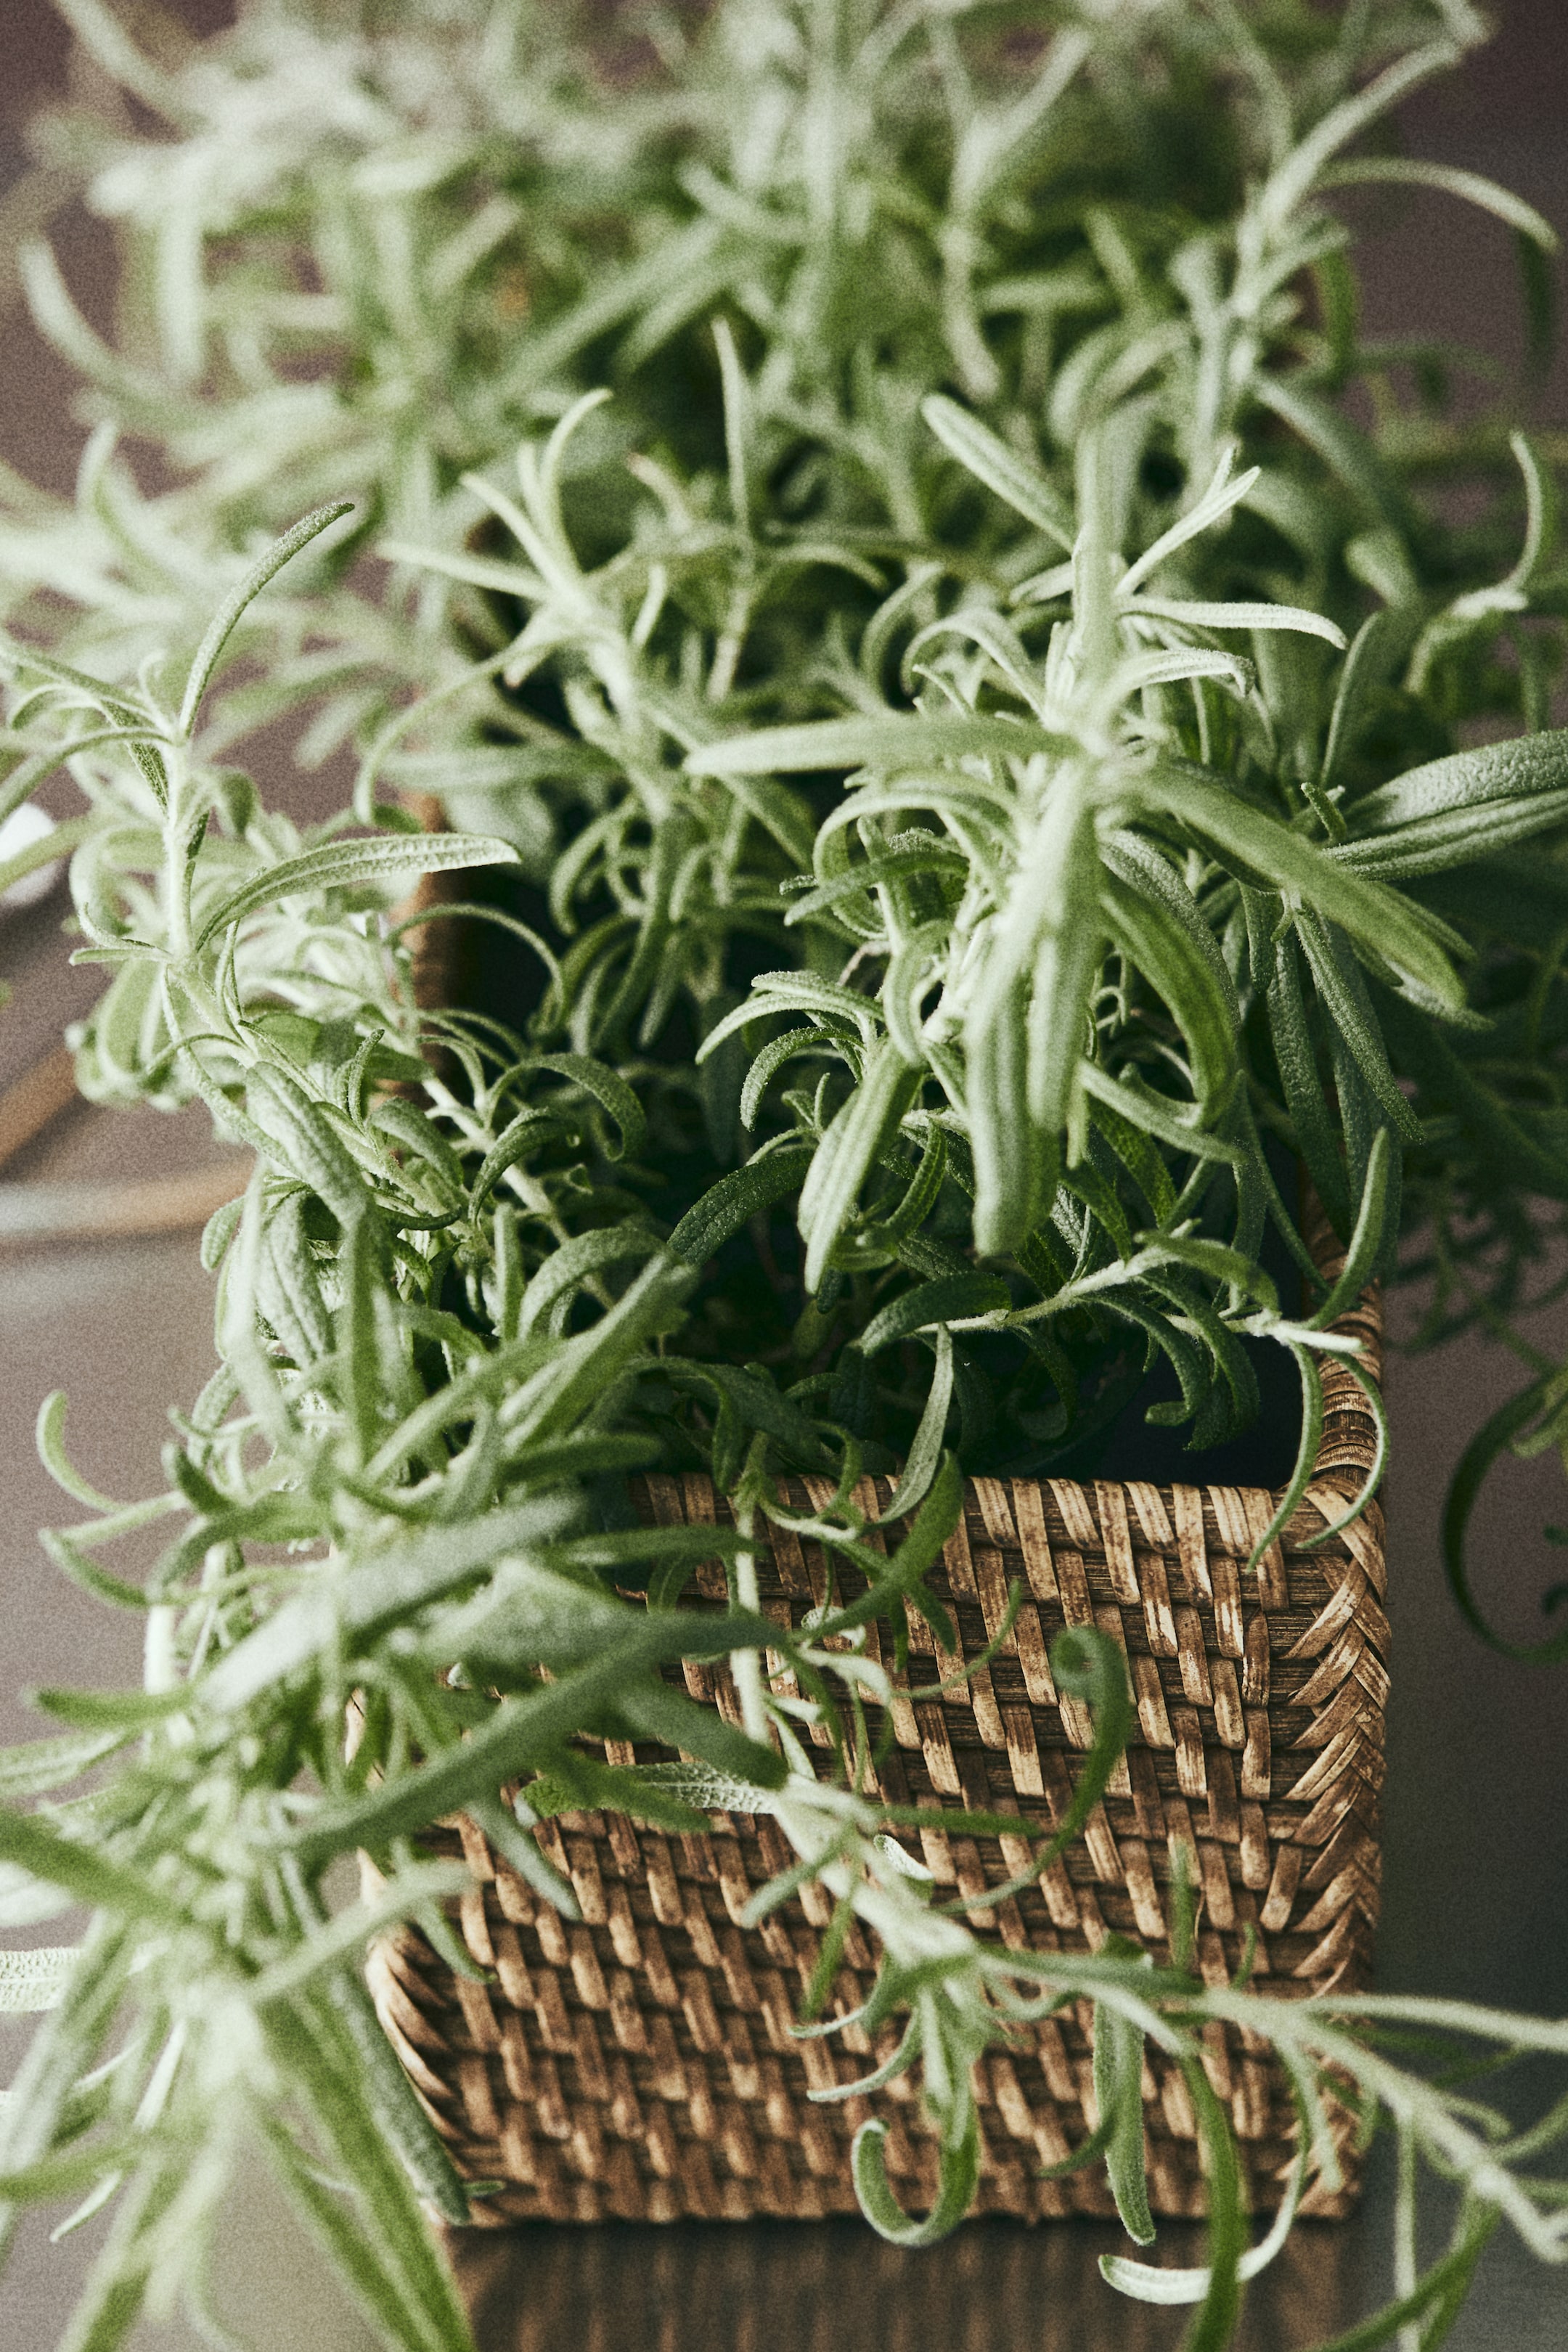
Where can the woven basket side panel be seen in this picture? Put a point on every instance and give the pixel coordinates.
(639, 2064)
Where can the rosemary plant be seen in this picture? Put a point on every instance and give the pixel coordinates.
(967, 735)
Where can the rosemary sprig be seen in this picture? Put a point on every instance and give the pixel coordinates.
(971, 737)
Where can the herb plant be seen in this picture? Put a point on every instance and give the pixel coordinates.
(864, 535)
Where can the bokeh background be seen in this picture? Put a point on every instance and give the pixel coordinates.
(1476, 1884)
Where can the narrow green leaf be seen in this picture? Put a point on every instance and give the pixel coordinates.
(1343, 996)
(1300, 1478)
(288, 1288)
(78, 1869)
(663, 1714)
(525, 1731)
(1260, 845)
(1367, 1241)
(50, 1438)
(1451, 810)
(66, 2171)
(222, 626)
(609, 1089)
(1492, 1443)
(954, 1298)
(370, 2272)
(547, 1297)
(609, 1549)
(516, 1847)
(1017, 483)
(1088, 1666)
(958, 2174)
(1215, 1259)
(727, 1206)
(125, 1710)
(709, 1790)
(1160, 947)
(844, 1156)
(1118, 2063)
(1454, 841)
(1016, 1159)
(1343, 449)
(771, 1059)
(353, 864)
(559, 1396)
(1196, 614)
(42, 1765)
(300, 1133)
(896, 742)
(1145, 2283)
(1154, 1114)
(1298, 1064)
(902, 2058)
(937, 1516)
(1374, 653)
(394, 2110)
(1474, 187)
(353, 1601)
(839, 1009)
(925, 1453)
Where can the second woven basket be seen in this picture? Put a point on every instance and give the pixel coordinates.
(640, 2064)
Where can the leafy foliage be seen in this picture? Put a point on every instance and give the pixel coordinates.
(976, 748)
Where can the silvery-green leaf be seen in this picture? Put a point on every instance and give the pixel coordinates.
(710, 1790)
(26, 1901)
(1000, 468)
(351, 864)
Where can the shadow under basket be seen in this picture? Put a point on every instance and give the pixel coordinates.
(640, 2065)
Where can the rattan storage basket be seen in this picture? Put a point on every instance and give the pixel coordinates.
(640, 2064)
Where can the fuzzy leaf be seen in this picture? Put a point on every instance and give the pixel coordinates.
(958, 2175)
(1022, 486)
(954, 1299)
(1119, 2095)
(352, 865)
(730, 1204)
(1454, 809)
(891, 743)
(353, 1601)
(845, 1155)
(224, 622)
(1370, 913)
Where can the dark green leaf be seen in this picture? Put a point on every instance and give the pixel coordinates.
(1118, 2095)
(954, 1299)
(959, 2171)
(1460, 808)
(1259, 845)
(727, 1206)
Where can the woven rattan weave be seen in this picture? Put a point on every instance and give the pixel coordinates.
(641, 2065)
